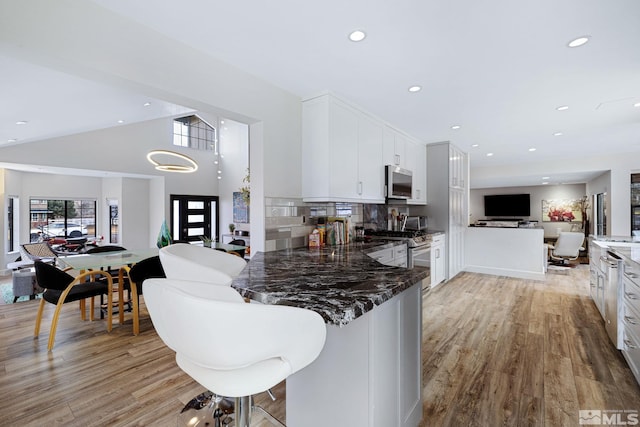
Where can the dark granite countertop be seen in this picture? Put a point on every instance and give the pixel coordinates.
(340, 283)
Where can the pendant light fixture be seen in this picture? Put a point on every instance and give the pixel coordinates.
(187, 166)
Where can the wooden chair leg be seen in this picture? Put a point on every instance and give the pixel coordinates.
(83, 309)
(110, 310)
(121, 302)
(36, 331)
(136, 310)
(54, 325)
(91, 309)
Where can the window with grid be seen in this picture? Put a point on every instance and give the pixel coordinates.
(193, 132)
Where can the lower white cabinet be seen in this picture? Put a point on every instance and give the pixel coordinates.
(395, 256)
(368, 373)
(630, 321)
(438, 267)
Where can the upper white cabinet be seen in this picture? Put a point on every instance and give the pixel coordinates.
(395, 148)
(457, 168)
(341, 153)
(417, 164)
(407, 153)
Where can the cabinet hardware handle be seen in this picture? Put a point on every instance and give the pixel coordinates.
(359, 187)
(629, 345)
(630, 319)
(631, 296)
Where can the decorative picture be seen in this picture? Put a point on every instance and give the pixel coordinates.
(240, 209)
(562, 210)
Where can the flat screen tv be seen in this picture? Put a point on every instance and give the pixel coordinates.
(511, 205)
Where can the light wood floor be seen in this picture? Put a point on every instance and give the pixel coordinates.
(496, 351)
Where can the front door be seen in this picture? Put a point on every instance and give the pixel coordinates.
(194, 217)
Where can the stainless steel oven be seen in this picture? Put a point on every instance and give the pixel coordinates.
(420, 255)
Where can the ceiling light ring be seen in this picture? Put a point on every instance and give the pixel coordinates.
(169, 167)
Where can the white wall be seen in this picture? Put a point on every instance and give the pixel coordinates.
(134, 215)
(537, 194)
(234, 146)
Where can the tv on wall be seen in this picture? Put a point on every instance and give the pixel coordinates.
(507, 205)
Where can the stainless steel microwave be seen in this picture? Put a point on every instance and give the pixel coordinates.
(398, 183)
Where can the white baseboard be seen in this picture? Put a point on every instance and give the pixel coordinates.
(518, 274)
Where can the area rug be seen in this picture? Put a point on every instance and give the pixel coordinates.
(6, 294)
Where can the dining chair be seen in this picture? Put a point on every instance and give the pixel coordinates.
(112, 271)
(146, 269)
(191, 262)
(238, 242)
(60, 288)
(264, 345)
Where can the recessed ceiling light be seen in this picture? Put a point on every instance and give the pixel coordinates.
(545, 177)
(120, 121)
(357, 36)
(557, 134)
(545, 183)
(489, 154)
(475, 145)
(562, 108)
(637, 104)
(532, 149)
(455, 127)
(579, 41)
(12, 140)
(21, 122)
(415, 88)
(146, 104)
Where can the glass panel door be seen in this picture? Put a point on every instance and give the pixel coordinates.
(194, 217)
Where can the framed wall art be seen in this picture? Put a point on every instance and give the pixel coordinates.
(562, 210)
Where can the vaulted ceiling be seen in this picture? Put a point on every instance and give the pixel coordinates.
(493, 74)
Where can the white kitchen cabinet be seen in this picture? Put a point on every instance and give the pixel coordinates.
(341, 153)
(401, 150)
(438, 258)
(418, 165)
(448, 205)
(395, 256)
(368, 373)
(394, 147)
(630, 321)
(457, 168)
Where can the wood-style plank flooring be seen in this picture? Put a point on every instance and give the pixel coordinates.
(501, 351)
(496, 351)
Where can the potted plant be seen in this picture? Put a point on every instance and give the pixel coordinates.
(232, 228)
(206, 241)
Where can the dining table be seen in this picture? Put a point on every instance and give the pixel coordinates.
(118, 259)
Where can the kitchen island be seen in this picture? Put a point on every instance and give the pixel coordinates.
(369, 372)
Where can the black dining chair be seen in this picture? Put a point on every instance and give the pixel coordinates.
(113, 272)
(149, 268)
(60, 287)
(238, 242)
